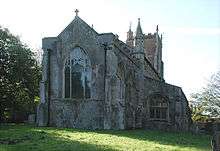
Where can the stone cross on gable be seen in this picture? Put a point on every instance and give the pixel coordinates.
(76, 11)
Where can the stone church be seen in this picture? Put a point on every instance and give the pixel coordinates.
(94, 80)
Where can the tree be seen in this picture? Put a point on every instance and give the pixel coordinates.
(19, 78)
(212, 96)
(207, 102)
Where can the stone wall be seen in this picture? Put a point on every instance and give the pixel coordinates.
(78, 33)
(119, 76)
(57, 50)
(150, 47)
(150, 72)
(86, 114)
(179, 117)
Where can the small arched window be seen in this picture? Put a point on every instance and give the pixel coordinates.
(77, 73)
(158, 108)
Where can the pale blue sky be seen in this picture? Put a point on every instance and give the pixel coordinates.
(190, 28)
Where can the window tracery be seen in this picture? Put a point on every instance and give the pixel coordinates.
(158, 108)
(77, 75)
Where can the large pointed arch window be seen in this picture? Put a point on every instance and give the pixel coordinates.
(77, 75)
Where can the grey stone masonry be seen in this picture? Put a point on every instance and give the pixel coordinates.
(96, 81)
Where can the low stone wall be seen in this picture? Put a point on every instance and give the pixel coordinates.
(205, 128)
(159, 125)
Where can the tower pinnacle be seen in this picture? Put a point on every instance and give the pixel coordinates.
(130, 37)
(157, 29)
(130, 26)
(139, 30)
(139, 42)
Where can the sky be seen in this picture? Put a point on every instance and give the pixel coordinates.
(190, 29)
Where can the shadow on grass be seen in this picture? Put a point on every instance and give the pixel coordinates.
(40, 139)
(181, 139)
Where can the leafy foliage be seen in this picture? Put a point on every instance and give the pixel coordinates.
(206, 104)
(19, 78)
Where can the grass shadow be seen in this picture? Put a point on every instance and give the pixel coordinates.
(29, 138)
(181, 139)
(67, 139)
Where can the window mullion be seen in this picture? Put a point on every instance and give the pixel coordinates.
(155, 112)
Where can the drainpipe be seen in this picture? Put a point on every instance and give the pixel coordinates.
(106, 48)
(105, 64)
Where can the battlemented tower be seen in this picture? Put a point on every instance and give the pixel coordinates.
(153, 50)
(130, 38)
(149, 46)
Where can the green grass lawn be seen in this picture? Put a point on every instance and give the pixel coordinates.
(25, 138)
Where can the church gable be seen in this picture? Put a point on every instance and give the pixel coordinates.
(74, 28)
(79, 34)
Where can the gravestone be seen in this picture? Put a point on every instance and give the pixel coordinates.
(31, 118)
(216, 141)
(216, 137)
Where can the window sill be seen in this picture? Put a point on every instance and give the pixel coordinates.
(74, 100)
